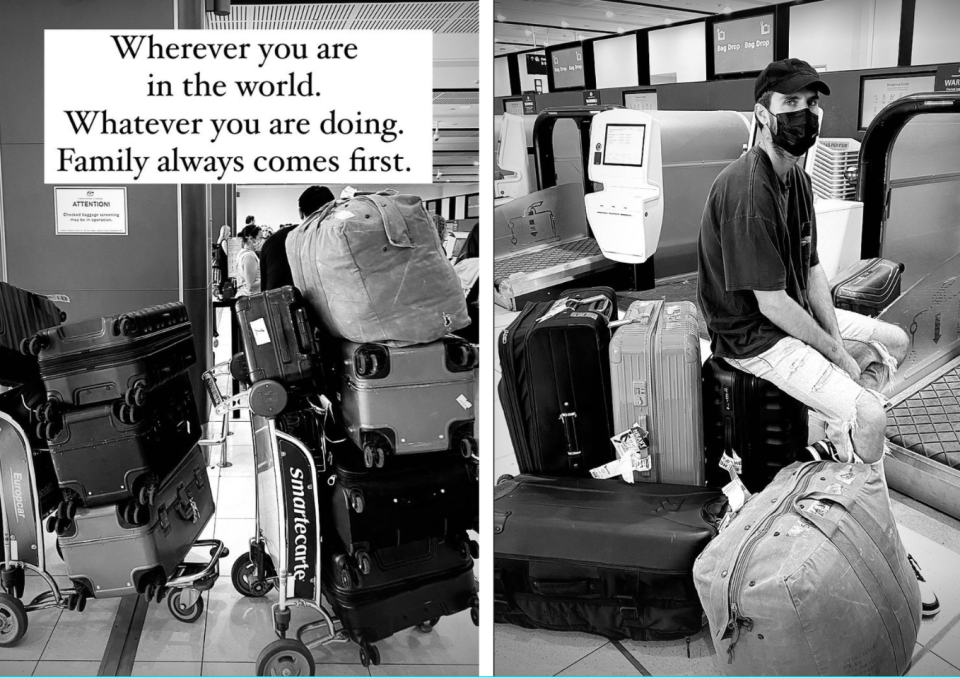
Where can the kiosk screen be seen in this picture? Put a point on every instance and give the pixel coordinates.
(513, 106)
(623, 145)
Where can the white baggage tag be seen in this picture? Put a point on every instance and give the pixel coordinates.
(260, 334)
(343, 215)
(835, 489)
(846, 475)
(737, 494)
(734, 463)
(799, 529)
(464, 402)
(631, 463)
(818, 508)
(606, 471)
(631, 440)
(558, 307)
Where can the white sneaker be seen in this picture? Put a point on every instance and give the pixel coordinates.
(823, 450)
(929, 603)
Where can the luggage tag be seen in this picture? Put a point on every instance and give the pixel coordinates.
(732, 464)
(633, 440)
(737, 494)
(632, 463)
(606, 471)
(260, 334)
(559, 306)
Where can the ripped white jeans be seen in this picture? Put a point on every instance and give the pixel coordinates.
(803, 373)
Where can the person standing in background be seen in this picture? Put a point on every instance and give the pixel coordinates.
(274, 267)
(221, 261)
(248, 263)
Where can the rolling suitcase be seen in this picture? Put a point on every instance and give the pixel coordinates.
(406, 400)
(601, 556)
(102, 455)
(112, 557)
(410, 500)
(868, 286)
(766, 427)
(22, 314)
(279, 341)
(119, 356)
(400, 564)
(811, 578)
(555, 389)
(655, 381)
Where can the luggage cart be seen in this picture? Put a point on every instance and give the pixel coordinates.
(24, 551)
(285, 550)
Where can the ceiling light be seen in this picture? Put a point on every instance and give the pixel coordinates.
(666, 21)
(564, 24)
(501, 17)
(527, 32)
(476, 163)
(579, 37)
(609, 14)
(726, 10)
(546, 43)
(620, 30)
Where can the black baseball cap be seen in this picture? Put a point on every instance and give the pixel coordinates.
(788, 76)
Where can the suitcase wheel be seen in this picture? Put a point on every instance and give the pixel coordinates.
(475, 611)
(13, 620)
(504, 478)
(427, 626)
(364, 563)
(356, 501)
(51, 429)
(468, 447)
(373, 456)
(286, 657)
(349, 575)
(474, 548)
(179, 609)
(369, 655)
(148, 493)
(35, 345)
(12, 580)
(246, 579)
(125, 326)
(137, 395)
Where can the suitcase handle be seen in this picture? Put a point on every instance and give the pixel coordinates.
(304, 332)
(569, 588)
(573, 444)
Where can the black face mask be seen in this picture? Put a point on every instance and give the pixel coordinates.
(797, 131)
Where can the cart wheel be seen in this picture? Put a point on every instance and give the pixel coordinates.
(245, 579)
(356, 501)
(504, 478)
(13, 620)
(381, 458)
(364, 562)
(427, 626)
(369, 455)
(186, 614)
(468, 447)
(286, 657)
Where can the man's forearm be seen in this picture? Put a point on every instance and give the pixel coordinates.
(787, 314)
(821, 302)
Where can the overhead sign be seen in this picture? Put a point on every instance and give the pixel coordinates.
(536, 64)
(568, 68)
(948, 78)
(91, 211)
(743, 45)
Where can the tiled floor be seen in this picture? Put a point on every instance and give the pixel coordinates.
(233, 630)
(933, 538)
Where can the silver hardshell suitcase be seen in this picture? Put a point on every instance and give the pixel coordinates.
(112, 557)
(655, 382)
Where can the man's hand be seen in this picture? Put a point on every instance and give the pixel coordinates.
(847, 363)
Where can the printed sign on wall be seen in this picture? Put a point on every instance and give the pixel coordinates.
(948, 78)
(91, 211)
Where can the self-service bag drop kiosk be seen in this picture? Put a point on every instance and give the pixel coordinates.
(513, 175)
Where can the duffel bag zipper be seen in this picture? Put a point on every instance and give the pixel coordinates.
(737, 621)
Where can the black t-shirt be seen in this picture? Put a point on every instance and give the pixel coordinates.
(274, 267)
(758, 233)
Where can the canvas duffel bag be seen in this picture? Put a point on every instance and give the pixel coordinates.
(810, 578)
(372, 269)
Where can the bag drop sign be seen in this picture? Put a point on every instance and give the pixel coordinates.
(90, 211)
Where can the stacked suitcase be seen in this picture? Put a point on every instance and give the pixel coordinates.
(121, 425)
(400, 479)
(600, 555)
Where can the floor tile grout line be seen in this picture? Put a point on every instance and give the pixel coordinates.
(630, 658)
(928, 647)
(946, 661)
(587, 655)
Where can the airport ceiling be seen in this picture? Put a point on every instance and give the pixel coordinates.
(524, 24)
(456, 65)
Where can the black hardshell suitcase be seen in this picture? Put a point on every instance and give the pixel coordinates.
(111, 557)
(102, 456)
(411, 499)
(765, 426)
(371, 614)
(405, 400)
(601, 556)
(868, 286)
(400, 564)
(118, 356)
(22, 314)
(18, 403)
(280, 343)
(555, 389)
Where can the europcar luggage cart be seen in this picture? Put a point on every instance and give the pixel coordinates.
(24, 551)
(285, 550)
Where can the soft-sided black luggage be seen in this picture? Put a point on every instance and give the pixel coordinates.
(119, 356)
(414, 585)
(765, 426)
(868, 286)
(555, 389)
(411, 499)
(22, 314)
(279, 341)
(110, 556)
(601, 556)
(108, 452)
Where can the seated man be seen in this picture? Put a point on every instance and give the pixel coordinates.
(765, 297)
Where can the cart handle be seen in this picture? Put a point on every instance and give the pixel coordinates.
(208, 569)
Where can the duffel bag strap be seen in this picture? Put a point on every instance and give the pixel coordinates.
(394, 223)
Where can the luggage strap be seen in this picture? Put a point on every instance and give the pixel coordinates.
(880, 579)
(394, 224)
